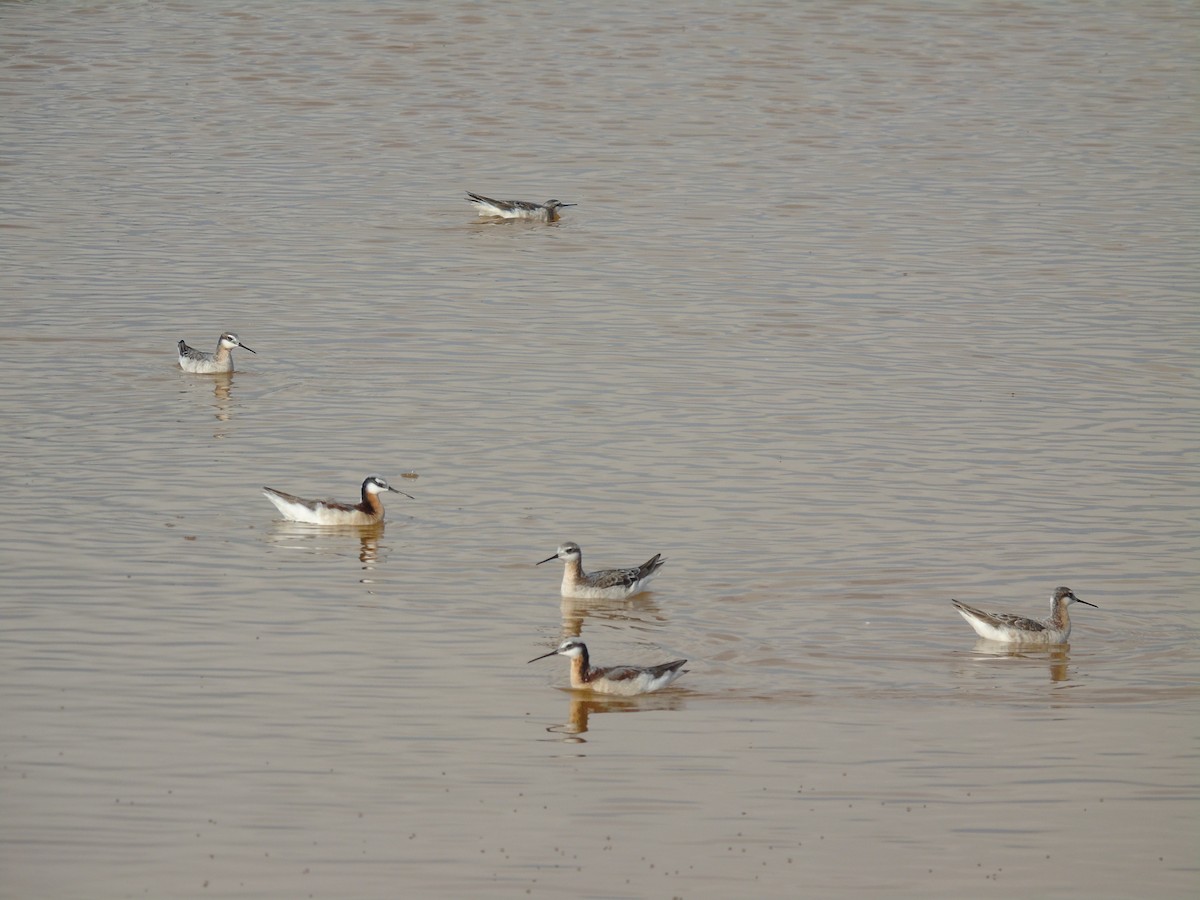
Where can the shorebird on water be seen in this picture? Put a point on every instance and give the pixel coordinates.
(518, 209)
(201, 363)
(607, 584)
(625, 681)
(329, 512)
(1012, 629)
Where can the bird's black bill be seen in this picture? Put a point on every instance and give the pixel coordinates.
(547, 559)
(401, 493)
(1085, 603)
(544, 655)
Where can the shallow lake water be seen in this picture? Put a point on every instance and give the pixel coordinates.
(862, 308)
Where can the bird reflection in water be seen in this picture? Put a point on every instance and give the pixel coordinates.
(330, 540)
(222, 398)
(638, 610)
(223, 401)
(1057, 655)
(583, 705)
(368, 552)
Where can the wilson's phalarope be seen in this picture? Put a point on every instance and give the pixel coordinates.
(607, 584)
(193, 360)
(518, 209)
(1012, 629)
(328, 512)
(623, 680)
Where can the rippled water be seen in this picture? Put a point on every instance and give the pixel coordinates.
(862, 308)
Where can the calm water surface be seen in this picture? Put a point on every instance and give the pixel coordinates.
(863, 307)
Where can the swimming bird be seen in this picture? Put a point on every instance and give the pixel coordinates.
(607, 584)
(193, 360)
(1020, 630)
(622, 680)
(329, 512)
(518, 209)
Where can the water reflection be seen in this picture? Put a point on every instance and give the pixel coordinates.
(640, 609)
(1057, 655)
(332, 540)
(584, 705)
(222, 402)
(222, 397)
